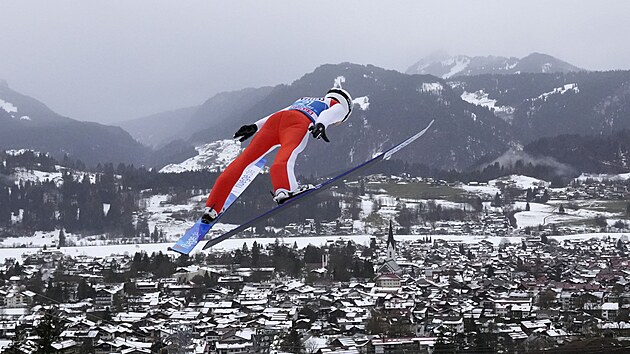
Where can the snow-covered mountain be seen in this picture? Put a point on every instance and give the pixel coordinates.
(477, 117)
(446, 67)
(547, 105)
(213, 157)
(399, 105)
(26, 123)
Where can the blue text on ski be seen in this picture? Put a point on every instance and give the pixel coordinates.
(198, 231)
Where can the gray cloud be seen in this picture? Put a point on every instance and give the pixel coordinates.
(111, 60)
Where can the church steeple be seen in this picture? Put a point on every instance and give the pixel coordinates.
(391, 243)
(390, 265)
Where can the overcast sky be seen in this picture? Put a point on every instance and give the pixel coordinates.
(113, 60)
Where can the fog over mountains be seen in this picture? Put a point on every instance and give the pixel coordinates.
(26, 123)
(483, 107)
(444, 66)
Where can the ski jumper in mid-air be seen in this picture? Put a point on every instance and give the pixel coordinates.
(287, 129)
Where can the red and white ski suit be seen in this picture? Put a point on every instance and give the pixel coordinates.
(287, 129)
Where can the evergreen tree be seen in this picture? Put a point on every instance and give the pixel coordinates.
(406, 217)
(35, 283)
(62, 239)
(85, 290)
(544, 239)
(54, 292)
(545, 197)
(48, 331)
(246, 258)
(255, 254)
(490, 271)
(15, 269)
(143, 230)
(155, 234)
(527, 207)
(292, 342)
(561, 209)
(554, 230)
(600, 221)
(529, 196)
(312, 254)
(5, 207)
(376, 324)
(496, 202)
(16, 342)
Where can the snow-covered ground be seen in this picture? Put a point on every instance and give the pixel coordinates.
(434, 88)
(559, 90)
(8, 107)
(231, 244)
(520, 182)
(363, 102)
(541, 214)
(159, 213)
(480, 98)
(50, 239)
(515, 181)
(21, 175)
(545, 214)
(213, 156)
(459, 64)
(480, 189)
(12, 110)
(603, 177)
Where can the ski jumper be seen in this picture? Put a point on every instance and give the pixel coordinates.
(287, 129)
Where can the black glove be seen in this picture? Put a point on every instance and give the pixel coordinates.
(319, 132)
(245, 132)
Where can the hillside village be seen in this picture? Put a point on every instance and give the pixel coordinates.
(424, 297)
(511, 265)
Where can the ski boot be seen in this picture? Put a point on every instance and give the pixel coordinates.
(209, 215)
(282, 195)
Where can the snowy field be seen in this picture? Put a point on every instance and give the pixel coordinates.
(23, 175)
(515, 181)
(481, 98)
(603, 177)
(545, 214)
(231, 244)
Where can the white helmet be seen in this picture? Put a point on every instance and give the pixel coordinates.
(343, 97)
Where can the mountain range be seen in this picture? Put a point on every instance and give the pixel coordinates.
(26, 123)
(444, 66)
(479, 116)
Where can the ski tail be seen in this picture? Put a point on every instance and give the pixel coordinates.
(319, 188)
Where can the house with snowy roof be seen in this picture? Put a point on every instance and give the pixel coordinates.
(106, 296)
